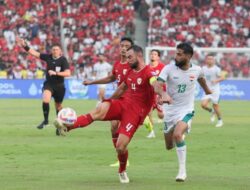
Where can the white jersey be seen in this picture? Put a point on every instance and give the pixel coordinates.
(181, 87)
(102, 69)
(211, 74)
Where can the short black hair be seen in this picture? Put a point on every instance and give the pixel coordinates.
(136, 49)
(127, 39)
(211, 54)
(157, 51)
(186, 47)
(56, 45)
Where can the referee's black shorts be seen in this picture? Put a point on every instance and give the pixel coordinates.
(57, 91)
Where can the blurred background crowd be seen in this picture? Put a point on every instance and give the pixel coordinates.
(87, 29)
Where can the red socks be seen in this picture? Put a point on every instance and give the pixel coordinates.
(123, 161)
(82, 121)
(115, 138)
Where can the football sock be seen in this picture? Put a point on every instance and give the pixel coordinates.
(46, 112)
(114, 138)
(181, 150)
(123, 161)
(82, 121)
(147, 123)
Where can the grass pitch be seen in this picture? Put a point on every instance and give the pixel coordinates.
(218, 158)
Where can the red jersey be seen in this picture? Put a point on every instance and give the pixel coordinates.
(158, 68)
(140, 93)
(120, 70)
(157, 71)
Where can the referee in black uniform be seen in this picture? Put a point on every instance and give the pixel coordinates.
(57, 69)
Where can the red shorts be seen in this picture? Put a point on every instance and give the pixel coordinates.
(129, 118)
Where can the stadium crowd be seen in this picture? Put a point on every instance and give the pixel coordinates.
(204, 23)
(90, 28)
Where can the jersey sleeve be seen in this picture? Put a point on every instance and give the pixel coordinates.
(201, 73)
(163, 76)
(65, 64)
(44, 56)
(218, 72)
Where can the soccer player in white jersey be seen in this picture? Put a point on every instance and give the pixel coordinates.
(180, 78)
(213, 77)
(101, 70)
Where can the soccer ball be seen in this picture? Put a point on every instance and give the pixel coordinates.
(67, 116)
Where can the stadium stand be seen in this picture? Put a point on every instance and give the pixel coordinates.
(204, 23)
(90, 28)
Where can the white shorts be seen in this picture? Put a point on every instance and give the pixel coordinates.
(215, 98)
(101, 86)
(170, 122)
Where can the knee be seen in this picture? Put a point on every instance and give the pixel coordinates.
(177, 137)
(98, 113)
(113, 130)
(120, 149)
(203, 105)
(114, 126)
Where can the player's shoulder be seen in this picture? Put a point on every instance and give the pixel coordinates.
(195, 67)
(217, 67)
(116, 63)
(161, 65)
(170, 66)
(204, 67)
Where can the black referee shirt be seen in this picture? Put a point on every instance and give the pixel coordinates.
(58, 65)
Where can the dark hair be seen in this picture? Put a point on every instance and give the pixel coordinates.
(127, 39)
(157, 51)
(136, 49)
(211, 54)
(56, 45)
(186, 47)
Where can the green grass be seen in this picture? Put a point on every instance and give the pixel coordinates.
(218, 158)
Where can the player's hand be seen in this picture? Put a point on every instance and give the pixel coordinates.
(214, 82)
(166, 99)
(209, 92)
(86, 82)
(51, 72)
(21, 42)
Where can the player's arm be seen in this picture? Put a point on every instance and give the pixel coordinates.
(119, 91)
(203, 84)
(66, 71)
(21, 42)
(219, 79)
(110, 78)
(158, 84)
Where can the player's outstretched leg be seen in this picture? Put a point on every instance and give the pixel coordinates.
(82, 121)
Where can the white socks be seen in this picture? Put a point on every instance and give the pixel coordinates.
(181, 154)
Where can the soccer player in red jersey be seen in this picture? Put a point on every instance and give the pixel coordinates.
(156, 66)
(130, 108)
(119, 71)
